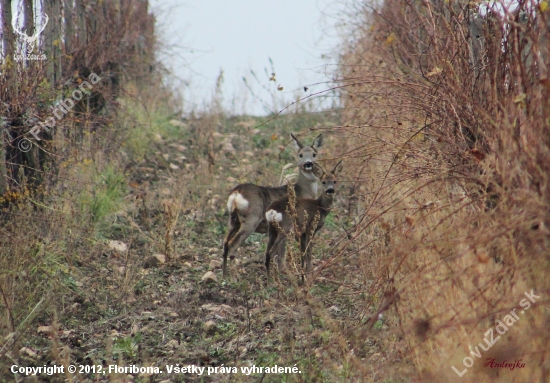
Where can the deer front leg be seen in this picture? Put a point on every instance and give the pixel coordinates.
(305, 248)
(280, 250)
(273, 233)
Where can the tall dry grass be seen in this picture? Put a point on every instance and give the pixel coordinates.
(447, 125)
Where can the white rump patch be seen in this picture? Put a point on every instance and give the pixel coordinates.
(236, 201)
(273, 215)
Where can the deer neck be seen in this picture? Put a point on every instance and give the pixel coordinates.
(307, 184)
(325, 203)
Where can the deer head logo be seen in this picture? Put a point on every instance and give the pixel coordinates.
(30, 40)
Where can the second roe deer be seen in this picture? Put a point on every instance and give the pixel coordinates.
(306, 218)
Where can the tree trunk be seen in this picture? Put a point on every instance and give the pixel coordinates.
(28, 13)
(7, 36)
(68, 13)
(6, 94)
(81, 30)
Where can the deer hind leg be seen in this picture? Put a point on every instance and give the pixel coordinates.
(234, 226)
(246, 228)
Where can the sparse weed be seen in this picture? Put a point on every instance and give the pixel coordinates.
(127, 346)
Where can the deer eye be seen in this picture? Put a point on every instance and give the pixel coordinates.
(301, 155)
(324, 182)
(314, 155)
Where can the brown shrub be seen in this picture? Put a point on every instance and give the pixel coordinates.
(451, 109)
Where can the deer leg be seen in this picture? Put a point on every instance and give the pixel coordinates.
(303, 248)
(280, 250)
(245, 229)
(234, 226)
(307, 255)
(272, 238)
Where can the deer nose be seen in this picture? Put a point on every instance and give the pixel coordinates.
(308, 165)
(330, 191)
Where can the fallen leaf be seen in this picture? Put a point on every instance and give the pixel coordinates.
(435, 71)
(214, 264)
(118, 246)
(44, 329)
(29, 352)
(478, 154)
(482, 257)
(161, 257)
(209, 277)
(209, 326)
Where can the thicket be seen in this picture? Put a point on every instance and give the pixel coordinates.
(450, 101)
(59, 184)
(77, 39)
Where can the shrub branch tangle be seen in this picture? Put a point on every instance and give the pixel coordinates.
(113, 39)
(451, 101)
(55, 199)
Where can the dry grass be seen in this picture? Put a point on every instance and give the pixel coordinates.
(453, 179)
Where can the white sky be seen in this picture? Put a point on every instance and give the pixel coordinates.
(241, 35)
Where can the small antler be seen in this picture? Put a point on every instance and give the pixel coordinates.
(336, 167)
(318, 170)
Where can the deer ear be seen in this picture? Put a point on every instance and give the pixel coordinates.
(318, 142)
(338, 168)
(318, 170)
(297, 144)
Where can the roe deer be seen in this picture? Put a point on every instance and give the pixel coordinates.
(307, 217)
(247, 203)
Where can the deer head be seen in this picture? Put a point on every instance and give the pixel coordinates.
(307, 154)
(30, 40)
(328, 180)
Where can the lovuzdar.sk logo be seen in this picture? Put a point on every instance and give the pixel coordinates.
(30, 41)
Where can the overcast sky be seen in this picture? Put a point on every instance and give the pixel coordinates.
(240, 36)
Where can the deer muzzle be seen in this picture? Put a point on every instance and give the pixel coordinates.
(308, 165)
